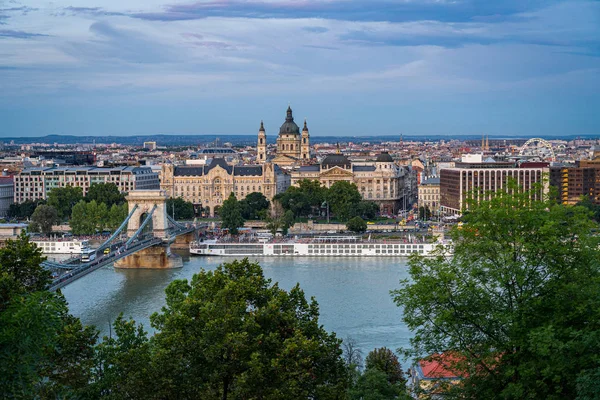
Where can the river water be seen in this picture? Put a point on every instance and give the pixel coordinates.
(353, 294)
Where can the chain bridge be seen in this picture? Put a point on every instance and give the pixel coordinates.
(142, 240)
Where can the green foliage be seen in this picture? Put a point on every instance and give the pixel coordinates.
(365, 209)
(587, 202)
(21, 260)
(43, 218)
(64, 198)
(374, 385)
(231, 333)
(184, 210)
(384, 360)
(123, 365)
(25, 209)
(44, 352)
(518, 303)
(116, 215)
(107, 193)
(304, 199)
(279, 219)
(314, 191)
(343, 197)
(357, 224)
(254, 205)
(424, 213)
(90, 218)
(231, 215)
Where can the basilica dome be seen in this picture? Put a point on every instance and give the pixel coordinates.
(289, 126)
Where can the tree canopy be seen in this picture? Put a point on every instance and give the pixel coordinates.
(44, 352)
(90, 218)
(343, 197)
(107, 193)
(25, 209)
(517, 305)
(43, 218)
(357, 224)
(254, 206)
(64, 199)
(231, 214)
(184, 210)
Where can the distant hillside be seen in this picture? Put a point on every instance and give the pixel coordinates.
(188, 140)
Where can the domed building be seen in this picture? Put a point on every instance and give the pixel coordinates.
(293, 146)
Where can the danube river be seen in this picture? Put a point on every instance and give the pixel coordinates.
(353, 294)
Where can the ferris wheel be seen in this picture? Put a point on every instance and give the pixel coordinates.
(538, 148)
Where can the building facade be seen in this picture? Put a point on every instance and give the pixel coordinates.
(381, 180)
(429, 194)
(572, 182)
(209, 185)
(6, 194)
(36, 183)
(475, 180)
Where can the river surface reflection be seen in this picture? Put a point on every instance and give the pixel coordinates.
(353, 293)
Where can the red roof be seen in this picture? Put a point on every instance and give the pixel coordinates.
(440, 366)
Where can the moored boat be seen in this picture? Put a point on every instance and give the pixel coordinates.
(323, 246)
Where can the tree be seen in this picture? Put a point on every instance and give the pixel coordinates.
(25, 209)
(89, 218)
(314, 191)
(231, 215)
(107, 193)
(43, 218)
(373, 385)
(231, 333)
(356, 224)
(424, 213)
(64, 199)
(22, 260)
(295, 200)
(44, 351)
(384, 360)
(184, 210)
(517, 305)
(342, 197)
(253, 205)
(365, 209)
(116, 215)
(587, 202)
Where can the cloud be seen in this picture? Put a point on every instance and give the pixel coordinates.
(111, 43)
(354, 10)
(8, 33)
(315, 29)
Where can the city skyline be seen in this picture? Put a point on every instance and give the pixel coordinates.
(352, 68)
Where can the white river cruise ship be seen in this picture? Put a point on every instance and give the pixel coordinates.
(333, 246)
(58, 246)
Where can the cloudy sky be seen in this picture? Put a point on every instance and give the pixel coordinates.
(364, 67)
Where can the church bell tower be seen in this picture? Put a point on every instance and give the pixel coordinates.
(261, 147)
(305, 145)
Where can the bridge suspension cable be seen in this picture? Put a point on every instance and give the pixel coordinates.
(142, 226)
(119, 229)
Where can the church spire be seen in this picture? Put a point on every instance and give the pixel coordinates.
(262, 127)
(289, 117)
(305, 129)
(338, 151)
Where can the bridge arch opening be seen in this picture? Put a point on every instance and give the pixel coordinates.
(149, 228)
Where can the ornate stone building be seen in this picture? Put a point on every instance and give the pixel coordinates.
(293, 147)
(381, 180)
(209, 185)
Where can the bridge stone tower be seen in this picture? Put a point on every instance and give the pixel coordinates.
(158, 256)
(145, 201)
